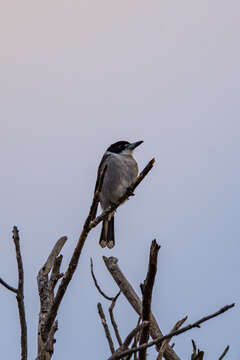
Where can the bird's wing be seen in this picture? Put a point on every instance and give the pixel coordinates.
(100, 169)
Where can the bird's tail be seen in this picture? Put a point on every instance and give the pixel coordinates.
(107, 237)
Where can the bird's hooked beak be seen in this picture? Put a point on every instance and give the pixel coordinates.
(134, 145)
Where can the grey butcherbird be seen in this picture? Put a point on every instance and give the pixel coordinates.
(121, 171)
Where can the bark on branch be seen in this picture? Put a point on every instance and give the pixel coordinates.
(19, 293)
(147, 288)
(128, 291)
(46, 286)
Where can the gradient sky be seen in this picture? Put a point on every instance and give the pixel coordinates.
(77, 76)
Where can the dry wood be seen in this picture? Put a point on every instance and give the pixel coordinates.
(128, 291)
(20, 293)
(114, 324)
(160, 340)
(46, 287)
(133, 333)
(165, 342)
(224, 353)
(196, 354)
(147, 289)
(111, 298)
(106, 328)
(7, 286)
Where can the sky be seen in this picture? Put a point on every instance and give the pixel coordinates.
(76, 76)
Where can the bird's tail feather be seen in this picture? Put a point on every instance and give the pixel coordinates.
(107, 237)
(104, 232)
(110, 234)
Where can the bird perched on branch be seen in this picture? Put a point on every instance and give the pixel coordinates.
(121, 171)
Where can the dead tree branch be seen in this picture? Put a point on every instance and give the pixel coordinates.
(9, 287)
(46, 288)
(160, 340)
(110, 298)
(133, 333)
(114, 324)
(88, 225)
(196, 354)
(165, 342)
(128, 291)
(113, 300)
(147, 288)
(20, 293)
(224, 353)
(106, 328)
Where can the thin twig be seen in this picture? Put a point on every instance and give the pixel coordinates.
(147, 289)
(224, 353)
(8, 286)
(111, 298)
(165, 342)
(196, 354)
(174, 333)
(88, 225)
(106, 328)
(20, 294)
(114, 324)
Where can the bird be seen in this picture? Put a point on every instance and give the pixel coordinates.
(121, 171)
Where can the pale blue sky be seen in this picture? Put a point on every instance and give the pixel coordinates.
(77, 76)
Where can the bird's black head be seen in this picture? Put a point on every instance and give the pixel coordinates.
(120, 146)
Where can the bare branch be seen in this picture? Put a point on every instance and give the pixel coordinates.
(165, 342)
(55, 274)
(111, 298)
(147, 289)
(114, 324)
(8, 286)
(53, 255)
(171, 334)
(46, 293)
(196, 354)
(133, 333)
(224, 353)
(88, 225)
(20, 294)
(127, 290)
(48, 346)
(106, 328)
